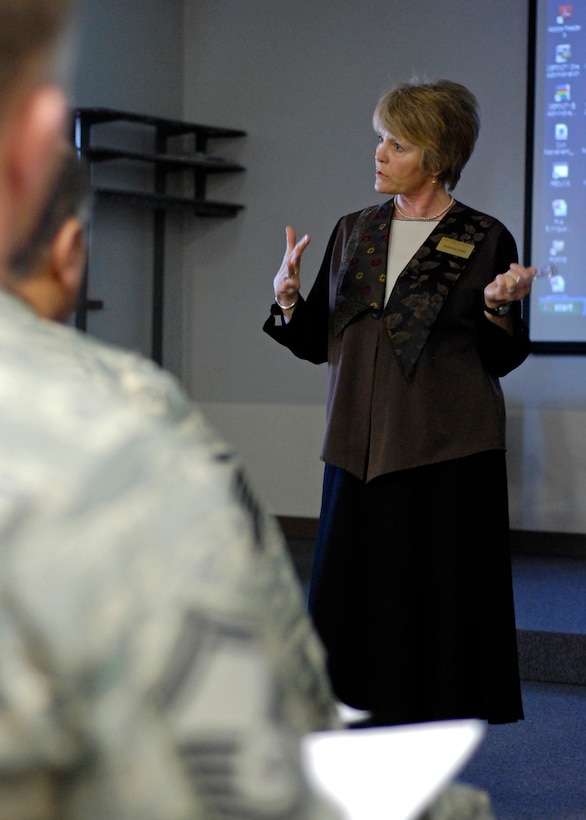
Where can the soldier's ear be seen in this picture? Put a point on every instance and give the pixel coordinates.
(67, 262)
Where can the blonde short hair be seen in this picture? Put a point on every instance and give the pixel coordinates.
(441, 118)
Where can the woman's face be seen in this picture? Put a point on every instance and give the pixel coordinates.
(397, 164)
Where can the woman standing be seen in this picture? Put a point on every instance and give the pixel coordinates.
(416, 309)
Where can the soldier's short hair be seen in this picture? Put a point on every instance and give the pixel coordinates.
(29, 29)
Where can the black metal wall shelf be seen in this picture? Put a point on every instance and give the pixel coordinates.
(166, 202)
(207, 164)
(164, 160)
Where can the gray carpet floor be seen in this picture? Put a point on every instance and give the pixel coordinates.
(536, 769)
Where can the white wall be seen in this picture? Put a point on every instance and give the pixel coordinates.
(302, 79)
(131, 59)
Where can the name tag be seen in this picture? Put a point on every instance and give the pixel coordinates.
(455, 247)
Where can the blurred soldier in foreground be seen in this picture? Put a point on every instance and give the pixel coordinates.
(156, 660)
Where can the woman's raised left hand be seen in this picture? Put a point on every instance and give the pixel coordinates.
(511, 286)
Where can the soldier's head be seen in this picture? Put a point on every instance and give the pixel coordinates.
(33, 109)
(47, 271)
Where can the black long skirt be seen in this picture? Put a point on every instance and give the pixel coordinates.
(411, 592)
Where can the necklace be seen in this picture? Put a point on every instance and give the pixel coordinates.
(424, 218)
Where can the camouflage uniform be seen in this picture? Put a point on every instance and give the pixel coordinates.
(157, 661)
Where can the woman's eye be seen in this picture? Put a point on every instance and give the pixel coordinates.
(396, 146)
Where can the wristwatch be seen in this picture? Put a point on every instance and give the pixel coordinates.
(501, 310)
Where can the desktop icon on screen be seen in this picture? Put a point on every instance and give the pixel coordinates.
(560, 207)
(564, 13)
(561, 131)
(557, 246)
(560, 170)
(562, 93)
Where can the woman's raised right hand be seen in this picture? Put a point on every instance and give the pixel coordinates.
(286, 283)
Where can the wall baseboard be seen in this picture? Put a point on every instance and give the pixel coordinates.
(552, 657)
(558, 544)
(524, 542)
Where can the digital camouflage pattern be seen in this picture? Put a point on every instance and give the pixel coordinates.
(157, 661)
